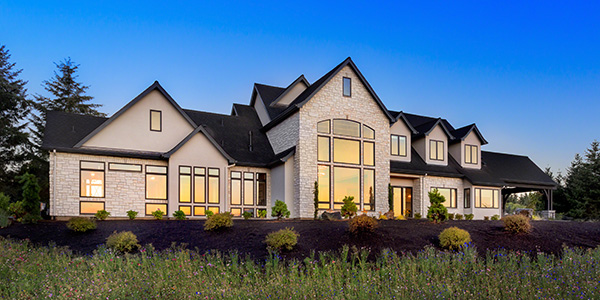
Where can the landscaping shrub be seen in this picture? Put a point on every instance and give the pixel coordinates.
(218, 221)
(437, 212)
(458, 216)
(132, 214)
(102, 215)
(280, 210)
(469, 216)
(262, 213)
(454, 238)
(158, 214)
(316, 199)
(362, 224)
(401, 217)
(283, 239)
(4, 219)
(247, 215)
(349, 208)
(417, 216)
(209, 213)
(382, 217)
(390, 197)
(495, 217)
(124, 241)
(516, 224)
(450, 216)
(4, 202)
(16, 209)
(31, 198)
(486, 218)
(81, 224)
(179, 215)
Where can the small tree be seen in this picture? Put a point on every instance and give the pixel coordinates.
(280, 210)
(31, 197)
(316, 200)
(349, 208)
(437, 212)
(391, 197)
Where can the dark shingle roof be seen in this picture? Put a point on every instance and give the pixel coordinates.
(268, 94)
(419, 167)
(461, 133)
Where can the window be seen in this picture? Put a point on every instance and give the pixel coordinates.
(199, 185)
(155, 120)
(369, 155)
(236, 188)
(347, 87)
(467, 196)
(398, 144)
(125, 167)
(449, 195)
(323, 148)
(346, 127)
(156, 182)
(346, 182)
(90, 208)
(185, 184)
(323, 180)
(92, 179)
(369, 189)
(186, 209)
(152, 207)
(346, 151)
(248, 188)
(213, 185)
(199, 211)
(436, 150)
(471, 153)
(368, 132)
(261, 187)
(486, 198)
(324, 127)
(248, 192)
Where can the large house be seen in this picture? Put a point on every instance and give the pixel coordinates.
(152, 155)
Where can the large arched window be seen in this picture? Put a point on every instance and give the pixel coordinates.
(346, 163)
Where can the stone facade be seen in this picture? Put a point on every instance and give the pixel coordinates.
(123, 190)
(429, 182)
(285, 134)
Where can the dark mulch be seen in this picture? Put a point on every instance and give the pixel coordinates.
(247, 236)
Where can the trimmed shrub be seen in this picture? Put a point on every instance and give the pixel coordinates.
(102, 215)
(4, 202)
(262, 213)
(209, 213)
(124, 241)
(218, 222)
(458, 216)
(247, 215)
(417, 216)
(349, 208)
(382, 217)
(283, 239)
(437, 212)
(81, 224)
(469, 216)
(495, 217)
(158, 214)
(280, 210)
(17, 210)
(31, 197)
(450, 216)
(362, 224)
(4, 219)
(132, 214)
(179, 215)
(516, 224)
(401, 217)
(486, 218)
(454, 238)
(316, 200)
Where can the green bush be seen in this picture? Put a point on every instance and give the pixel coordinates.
(262, 213)
(454, 238)
(124, 241)
(81, 224)
(495, 217)
(209, 213)
(316, 199)
(158, 214)
(280, 210)
(179, 215)
(349, 208)
(469, 216)
(437, 212)
(247, 215)
(283, 239)
(417, 216)
(4, 219)
(516, 224)
(362, 224)
(17, 210)
(486, 218)
(218, 222)
(132, 214)
(102, 215)
(450, 216)
(458, 216)
(4, 202)
(31, 197)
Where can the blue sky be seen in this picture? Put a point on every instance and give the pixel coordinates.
(527, 73)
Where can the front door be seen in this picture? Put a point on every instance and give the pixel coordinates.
(402, 201)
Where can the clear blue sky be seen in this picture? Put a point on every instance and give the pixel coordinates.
(527, 73)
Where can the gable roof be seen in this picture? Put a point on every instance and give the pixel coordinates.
(426, 128)
(268, 94)
(154, 86)
(305, 96)
(289, 88)
(399, 115)
(461, 133)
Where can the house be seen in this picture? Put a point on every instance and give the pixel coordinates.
(152, 154)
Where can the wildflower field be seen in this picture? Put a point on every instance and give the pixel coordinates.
(31, 272)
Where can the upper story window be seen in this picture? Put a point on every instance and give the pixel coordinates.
(346, 127)
(436, 150)
(347, 87)
(155, 120)
(471, 154)
(398, 145)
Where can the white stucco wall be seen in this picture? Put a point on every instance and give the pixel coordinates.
(291, 94)
(261, 111)
(437, 134)
(400, 128)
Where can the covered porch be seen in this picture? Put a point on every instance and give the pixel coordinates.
(514, 187)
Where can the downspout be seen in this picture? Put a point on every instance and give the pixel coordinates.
(51, 208)
(227, 185)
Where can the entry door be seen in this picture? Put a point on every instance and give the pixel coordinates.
(402, 201)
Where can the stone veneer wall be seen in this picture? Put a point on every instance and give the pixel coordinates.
(441, 182)
(285, 134)
(253, 170)
(329, 103)
(123, 190)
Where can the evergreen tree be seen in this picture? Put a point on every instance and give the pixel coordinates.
(31, 197)
(580, 198)
(14, 109)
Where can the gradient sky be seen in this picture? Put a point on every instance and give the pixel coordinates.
(527, 73)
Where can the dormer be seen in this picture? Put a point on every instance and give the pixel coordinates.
(401, 132)
(432, 142)
(291, 92)
(466, 147)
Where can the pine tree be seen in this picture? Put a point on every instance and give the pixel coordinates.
(580, 197)
(14, 109)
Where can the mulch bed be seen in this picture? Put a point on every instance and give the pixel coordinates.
(247, 236)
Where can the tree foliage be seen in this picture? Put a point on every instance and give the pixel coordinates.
(437, 212)
(30, 197)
